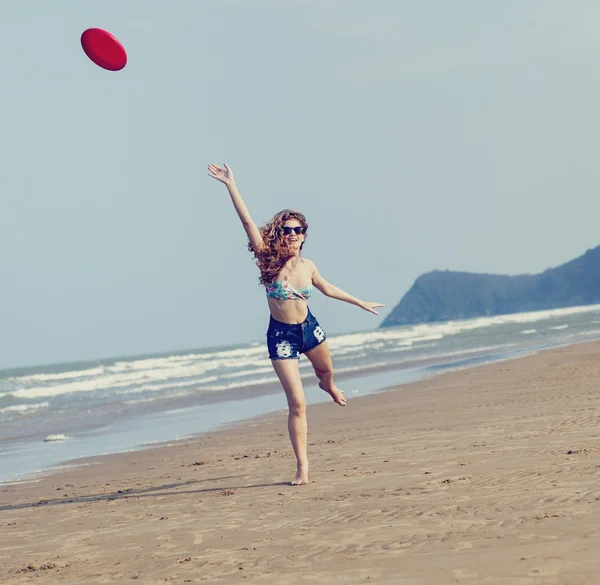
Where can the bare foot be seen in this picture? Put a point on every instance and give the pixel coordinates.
(301, 475)
(337, 395)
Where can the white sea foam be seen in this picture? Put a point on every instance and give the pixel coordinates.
(433, 356)
(55, 438)
(113, 381)
(24, 408)
(218, 370)
(215, 359)
(591, 332)
(253, 372)
(528, 331)
(123, 372)
(60, 376)
(241, 384)
(19, 481)
(210, 388)
(160, 387)
(155, 398)
(442, 329)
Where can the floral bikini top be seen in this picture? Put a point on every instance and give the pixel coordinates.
(282, 290)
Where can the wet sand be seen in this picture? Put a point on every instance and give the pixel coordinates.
(485, 475)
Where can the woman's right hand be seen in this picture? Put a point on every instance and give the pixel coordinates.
(225, 175)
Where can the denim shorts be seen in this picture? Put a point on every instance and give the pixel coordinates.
(288, 340)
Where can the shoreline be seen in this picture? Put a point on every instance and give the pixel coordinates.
(263, 399)
(485, 474)
(251, 390)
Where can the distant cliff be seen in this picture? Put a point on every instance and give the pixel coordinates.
(445, 295)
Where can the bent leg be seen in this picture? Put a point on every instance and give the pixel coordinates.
(288, 373)
(321, 361)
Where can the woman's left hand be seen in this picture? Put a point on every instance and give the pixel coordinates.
(367, 306)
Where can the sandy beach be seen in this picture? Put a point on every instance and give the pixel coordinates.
(485, 475)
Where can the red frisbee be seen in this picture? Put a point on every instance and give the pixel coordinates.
(104, 49)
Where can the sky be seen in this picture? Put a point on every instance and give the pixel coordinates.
(414, 136)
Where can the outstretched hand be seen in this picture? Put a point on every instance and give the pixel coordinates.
(367, 306)
(225, 175)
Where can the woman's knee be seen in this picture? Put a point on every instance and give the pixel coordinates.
(298, 407)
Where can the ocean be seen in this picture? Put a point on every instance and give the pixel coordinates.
(54, 414)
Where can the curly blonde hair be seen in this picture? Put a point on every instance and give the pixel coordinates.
(275, 252)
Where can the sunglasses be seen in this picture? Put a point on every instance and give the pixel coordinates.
(297, 230)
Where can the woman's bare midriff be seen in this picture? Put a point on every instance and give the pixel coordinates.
(288, 311)
(298, 273)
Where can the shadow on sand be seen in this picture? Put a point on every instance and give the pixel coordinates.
(145, 493)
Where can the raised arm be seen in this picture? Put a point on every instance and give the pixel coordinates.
(334, 292)
(225, 175)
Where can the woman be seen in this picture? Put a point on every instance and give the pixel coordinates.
(289, 279)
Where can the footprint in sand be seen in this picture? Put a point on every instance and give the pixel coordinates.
(165, 541)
